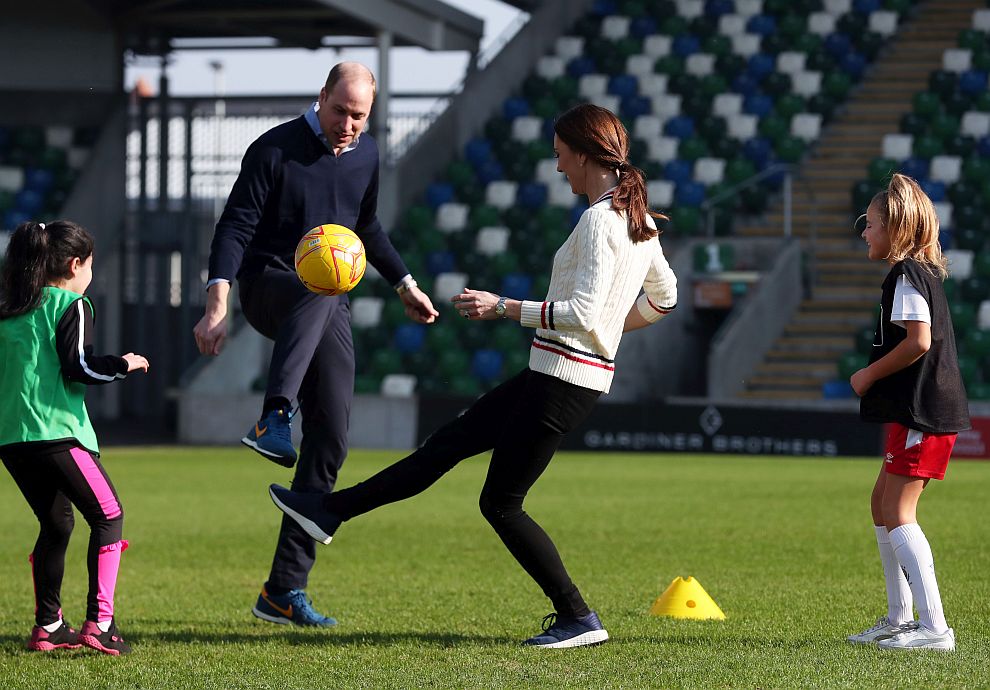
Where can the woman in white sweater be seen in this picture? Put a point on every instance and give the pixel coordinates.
(599, 273)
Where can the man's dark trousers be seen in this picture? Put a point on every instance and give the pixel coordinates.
(313, 362)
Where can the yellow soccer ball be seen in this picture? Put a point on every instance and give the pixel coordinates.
(330, 260)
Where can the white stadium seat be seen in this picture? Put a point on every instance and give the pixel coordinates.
(569, 47)
(640, 65)
(975, 124)
(838, 7)
(807, 84)
(657, 45)
(58, 137)
(667, 106)
(946, 169)
(492, 240)
(732, 24)
(806, 126)
(957, 60)
(663, 149)
(821, 23)
(709, 171)
(647, 127)
(606, 101)
(690, 9)
(943, 210)
(559, 194)
(452, 217)
(527, 128)
(366, 312)
(398, 385)
(960, 263)
(11, 179)
(746, 45)
(749, 8)
(546, 171)
(76, 157)
(501, 193)
(700, 64)
(981, 20)
(660, 193)
(591, 85)
(743, 127)
(615, 27)
(448, 285)
(727, 104)
(898, 146)
(983, 316)
(653, 84)
(883, 22)
(791, 62)
(551, 66)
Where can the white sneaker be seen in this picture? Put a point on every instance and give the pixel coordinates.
(883, 630)
(921, 638)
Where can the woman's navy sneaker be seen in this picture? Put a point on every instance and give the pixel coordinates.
(307, 510)
(292, 607)
(272, 437)
(559, 632)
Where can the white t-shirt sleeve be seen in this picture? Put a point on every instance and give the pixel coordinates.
(909, 304)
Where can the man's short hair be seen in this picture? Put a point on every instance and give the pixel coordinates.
(350, 70)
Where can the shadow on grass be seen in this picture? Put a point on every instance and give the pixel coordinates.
(321, 637)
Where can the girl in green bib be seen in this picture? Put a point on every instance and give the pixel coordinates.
(47, 442)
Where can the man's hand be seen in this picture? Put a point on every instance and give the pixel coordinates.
(211, 331)
(419, 308)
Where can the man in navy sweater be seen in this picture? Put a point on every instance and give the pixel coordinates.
(316, 169)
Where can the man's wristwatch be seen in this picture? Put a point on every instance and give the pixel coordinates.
(500, 308)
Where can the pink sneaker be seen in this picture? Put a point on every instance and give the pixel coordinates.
(109, 642)
(63, 638)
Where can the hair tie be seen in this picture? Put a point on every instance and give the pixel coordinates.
(623, 166)
(41, 225)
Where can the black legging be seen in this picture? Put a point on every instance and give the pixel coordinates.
(523, 420)
(53, 478)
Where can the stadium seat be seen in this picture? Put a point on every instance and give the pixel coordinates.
(657, 46)
(366, 312)
(808, 83)
(452, 217)
(527, 128)
(945, 169)
(956, 60)
(660, 193)
(975, 124)
(897, 146)
(806, 126)
(486, 364)
(821, 23)
(398, 385)
(883, 22)
(709, 171)
(501, 194)
(448, 285)
(960, 263)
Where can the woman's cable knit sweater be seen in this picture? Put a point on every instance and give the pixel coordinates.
(597, 276)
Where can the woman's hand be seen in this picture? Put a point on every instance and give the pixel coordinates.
(476, 304)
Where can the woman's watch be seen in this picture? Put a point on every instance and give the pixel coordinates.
(500, 308)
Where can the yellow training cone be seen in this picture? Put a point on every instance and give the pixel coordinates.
(686, 599)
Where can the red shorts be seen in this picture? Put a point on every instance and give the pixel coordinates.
(916, 454)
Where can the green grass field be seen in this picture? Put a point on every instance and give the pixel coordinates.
(428, 597)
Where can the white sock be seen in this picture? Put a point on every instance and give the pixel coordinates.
(914, 553)
(104, 625)
(899, 599)
(52, 627)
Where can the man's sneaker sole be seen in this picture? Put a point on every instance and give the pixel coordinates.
(310, 527)
(93, 643)
(588, 639)
(274, 457)
(271, 619)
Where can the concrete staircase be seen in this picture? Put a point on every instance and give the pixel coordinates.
(846, 285)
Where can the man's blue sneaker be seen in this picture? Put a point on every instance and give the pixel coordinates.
(272, 437)
(559, 632)
(308, 511)
(292, 607)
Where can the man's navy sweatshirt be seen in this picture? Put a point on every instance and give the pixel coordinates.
(290, 183)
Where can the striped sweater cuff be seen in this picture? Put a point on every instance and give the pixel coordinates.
(651, 311)
(532, 314)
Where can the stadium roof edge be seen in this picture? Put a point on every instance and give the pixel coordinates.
(149, 26)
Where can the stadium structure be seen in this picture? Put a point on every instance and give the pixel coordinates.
(764, 127)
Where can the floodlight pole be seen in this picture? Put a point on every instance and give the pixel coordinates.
(382, 106)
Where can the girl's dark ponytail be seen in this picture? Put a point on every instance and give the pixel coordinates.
(39, 254)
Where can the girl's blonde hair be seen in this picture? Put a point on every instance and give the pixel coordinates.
(908, 216)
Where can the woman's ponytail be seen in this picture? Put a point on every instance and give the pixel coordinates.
(38, 254)
(630, 196)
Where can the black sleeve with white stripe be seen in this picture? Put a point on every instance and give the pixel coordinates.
(74, 344)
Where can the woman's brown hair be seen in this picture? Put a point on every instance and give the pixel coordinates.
(600, 135)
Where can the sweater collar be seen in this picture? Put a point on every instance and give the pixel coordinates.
(606, 195)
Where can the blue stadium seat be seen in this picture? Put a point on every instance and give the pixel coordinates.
(761, 65)
(623, 85)
(29, 201)
(442, 261)
(532, 195)
(487, 364)
(837, 390)
(973, 82)
(759, 151)
(761, 25)
(478, 151)
(837, 45)
(580, 66)
(745, 84)
(678, 171)
(515, 107)
(517, 286)
(866, 7)
(490, 171)
(716, 8)
(933, 188)
(439, 193)
(643, 26)
(758, 104)
(576, 212)
(14, 217)
(689, 194)
(634, 106)
(681, 127)
(914, 167)
(854, 65)
(409, 338)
